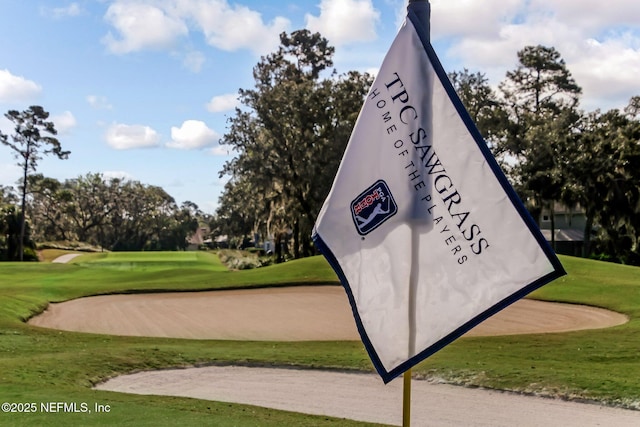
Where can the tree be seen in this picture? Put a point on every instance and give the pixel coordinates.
(185, 222)
(605, 180)
(239, 216)
(541, 99)
(7, 196)
(34, 136)
(48, 208)
(481, 102)
(632, 110)
(10, 229)
(91, 202)
(293, 131)
(8, 233)
(115, 214)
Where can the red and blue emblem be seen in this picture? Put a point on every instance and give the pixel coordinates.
(373, 207)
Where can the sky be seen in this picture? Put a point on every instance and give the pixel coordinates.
(143, 89)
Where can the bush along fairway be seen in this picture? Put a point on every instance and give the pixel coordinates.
(51, 369)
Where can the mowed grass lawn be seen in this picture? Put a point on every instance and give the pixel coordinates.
(43, 367)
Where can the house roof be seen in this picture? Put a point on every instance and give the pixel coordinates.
(564, 235)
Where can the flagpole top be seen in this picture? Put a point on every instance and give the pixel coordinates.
(421, 9)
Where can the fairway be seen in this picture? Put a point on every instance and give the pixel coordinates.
(147, 261)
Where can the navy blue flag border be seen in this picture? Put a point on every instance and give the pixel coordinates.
(559, 271)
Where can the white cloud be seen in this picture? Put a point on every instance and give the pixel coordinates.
(192, 134)
(193, 61)
(591, 15)
(471, 18)
(141, 26)
(345, 21)
(72, 10)
(222, 103)
(608, 72)
(601, 49)
(17, 88)
(99, 102)
(234, 27)
(63, 122)
(125, 137)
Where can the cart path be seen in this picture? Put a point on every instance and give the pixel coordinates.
(63, 259)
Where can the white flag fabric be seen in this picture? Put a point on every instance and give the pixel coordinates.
(421, 226)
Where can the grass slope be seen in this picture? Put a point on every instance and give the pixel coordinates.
(40, 365)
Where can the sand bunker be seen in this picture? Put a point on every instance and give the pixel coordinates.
(281, 314)
(322, 313)
(364, 397)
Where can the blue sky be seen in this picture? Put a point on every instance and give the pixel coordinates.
(142, 88)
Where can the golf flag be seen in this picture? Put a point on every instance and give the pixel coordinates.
(422, 227)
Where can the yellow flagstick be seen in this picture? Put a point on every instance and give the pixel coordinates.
(425, 15)
(406, 399)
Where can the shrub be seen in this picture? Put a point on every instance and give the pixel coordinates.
(243, 260)
(29, 254)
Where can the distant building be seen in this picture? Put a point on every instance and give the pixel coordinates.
(568, 228)
(199, 238)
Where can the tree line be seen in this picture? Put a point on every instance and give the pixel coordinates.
(108, 213)
(289, 135)
(293, 126)
(554, 152)
(113, 214)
